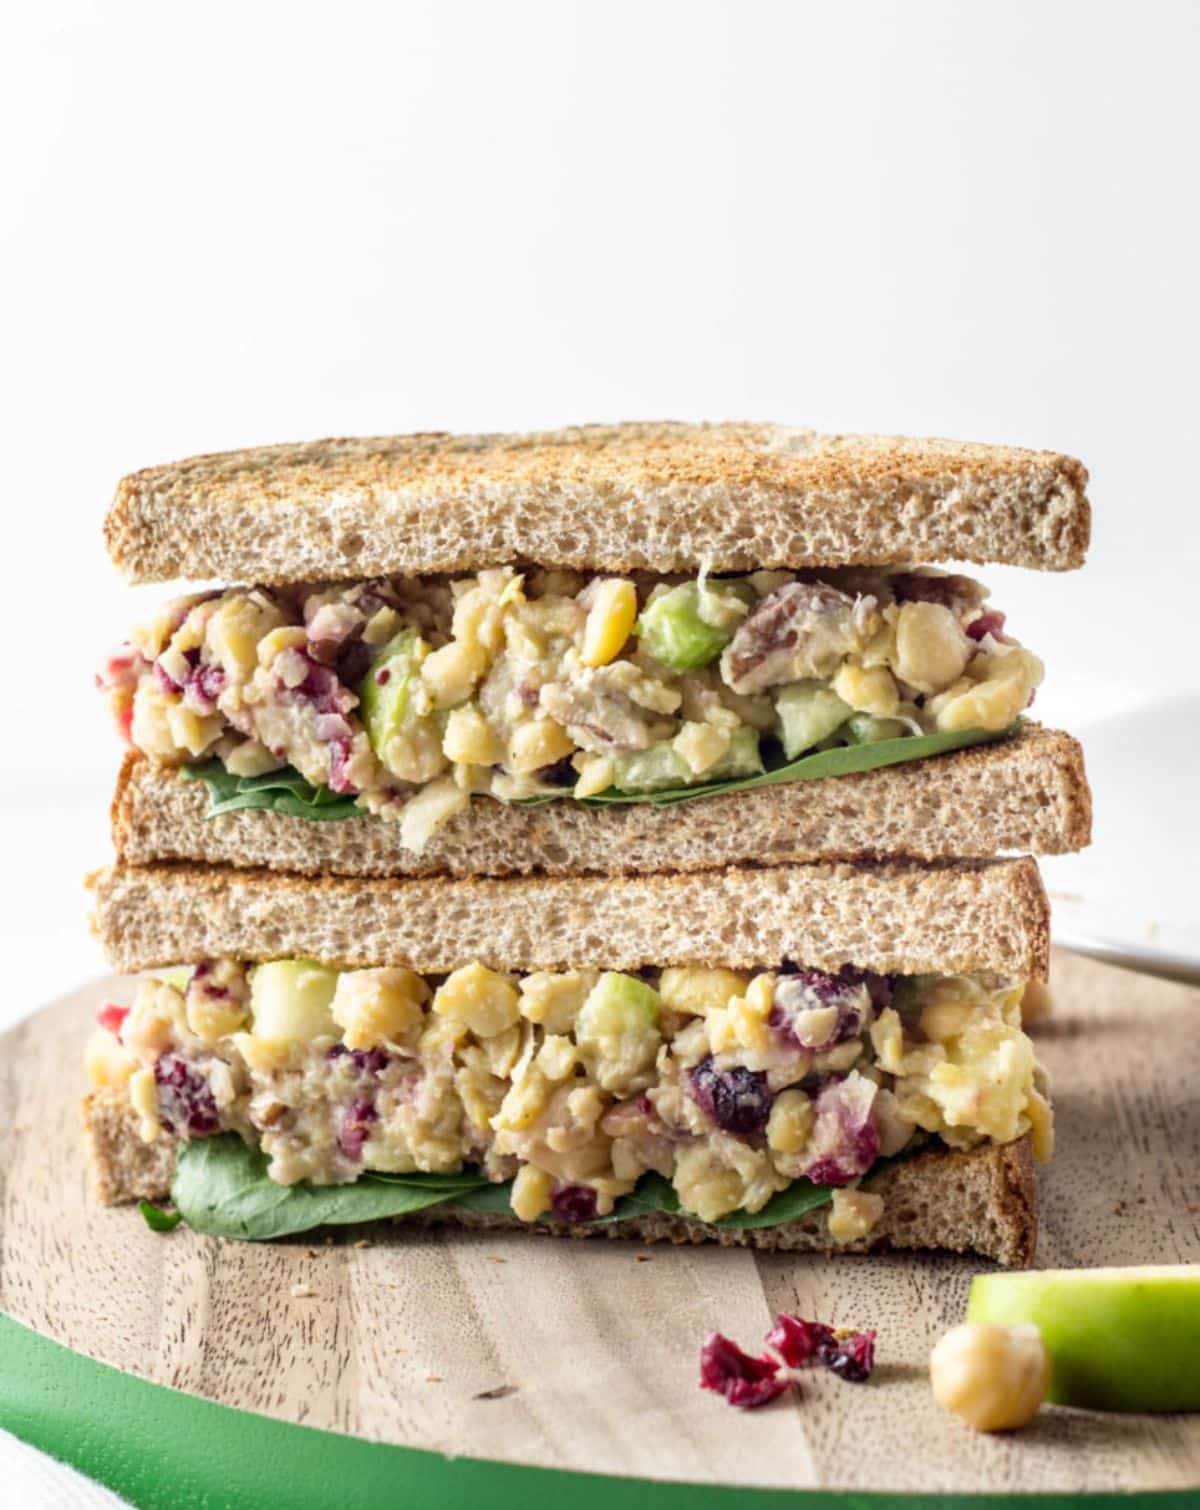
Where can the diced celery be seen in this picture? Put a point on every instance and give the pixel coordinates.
(661, 768)
(809, 712)
(385, 696)
(865, 728)
(674, 628)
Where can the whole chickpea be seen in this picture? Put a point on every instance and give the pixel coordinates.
(995, 1377)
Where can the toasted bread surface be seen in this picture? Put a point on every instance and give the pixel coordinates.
(661, 497)
(896, 917)
(1027, 794)
(984, 1201)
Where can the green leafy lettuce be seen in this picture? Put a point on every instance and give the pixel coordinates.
(221, 1188)
(157, 1219)
(286, 791)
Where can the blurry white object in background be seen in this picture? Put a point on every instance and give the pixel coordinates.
(1134, 896)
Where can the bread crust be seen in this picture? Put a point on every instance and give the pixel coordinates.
(659, 496)
(1026, 794)
(895, 917)
(984, 1201)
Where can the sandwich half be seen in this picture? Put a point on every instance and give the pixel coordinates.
(823, 1057)
(612, 649)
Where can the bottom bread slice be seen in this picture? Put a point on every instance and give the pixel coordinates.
(984, 1201)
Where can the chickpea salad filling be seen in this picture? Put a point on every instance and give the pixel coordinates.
(405, 697)
(565, 1095)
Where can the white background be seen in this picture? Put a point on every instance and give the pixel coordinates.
(247, 222)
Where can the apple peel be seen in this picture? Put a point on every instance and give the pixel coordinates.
(1119, 1339)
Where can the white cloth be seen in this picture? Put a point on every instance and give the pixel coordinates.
(33, 1481)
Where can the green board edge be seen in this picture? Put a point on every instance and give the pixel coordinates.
(162, 1449)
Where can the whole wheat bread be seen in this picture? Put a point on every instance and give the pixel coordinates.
(984, 1201)
(1026, 794)
(898, 917)
(664, 497)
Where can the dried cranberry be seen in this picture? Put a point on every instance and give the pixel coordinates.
(370, 1061)
(366, 1061)
(121, 670)
(743, 1380)
(816, 991)
(200, 983)
(736, 1099)
(573, 1203)
(111, 1015)
(951, 590)
(163, 679)
(353, 663)
(356, 1124)
(797, 1341)
(558, 773)
(185, 1097)
(991, 623)
(321, 687)
(374, 594)
(844, 1139)
(850, 1356)
(880, 988)
(339, 758)
(204, 686)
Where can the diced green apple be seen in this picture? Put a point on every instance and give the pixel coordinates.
(866, 728)
(809, 712)
(1118, 1339)
(289, 1000)
(178, 978)
(618, 1023)
(685, 628)
(661, 768)
(385, 696)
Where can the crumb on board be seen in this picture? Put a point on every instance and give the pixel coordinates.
(302, 1292)
(498, 1392)
(433, 1378)
(494, 1258)
(641, 1258)
(362, 1243)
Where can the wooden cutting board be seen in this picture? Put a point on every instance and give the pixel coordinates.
(584, 1355)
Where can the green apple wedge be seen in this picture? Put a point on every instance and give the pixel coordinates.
(1118, 1339)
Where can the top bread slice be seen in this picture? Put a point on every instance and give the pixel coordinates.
(661, 497)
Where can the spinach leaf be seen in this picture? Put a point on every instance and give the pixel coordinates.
(221, 1188)
(157, 1219)
(286, 791)
(843, 760)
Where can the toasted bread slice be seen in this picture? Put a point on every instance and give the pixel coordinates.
(984, 1201)
(901, 918)
(661, 497)
(1025, 794)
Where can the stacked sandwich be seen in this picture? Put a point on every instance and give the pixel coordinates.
(595, 832)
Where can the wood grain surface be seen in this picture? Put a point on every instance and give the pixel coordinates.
(585, 1355)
